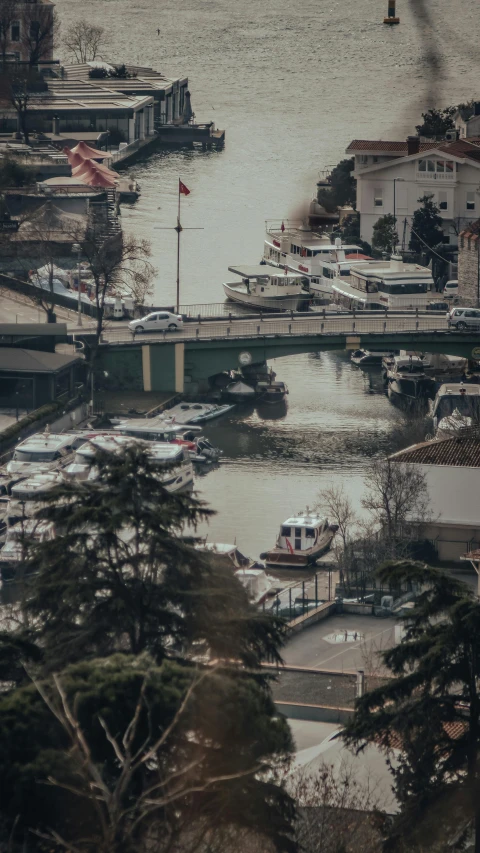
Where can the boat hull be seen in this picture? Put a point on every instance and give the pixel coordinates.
(265, 303)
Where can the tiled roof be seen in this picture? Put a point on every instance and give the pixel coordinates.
(453, 730)
(385, 146)
(459, 452)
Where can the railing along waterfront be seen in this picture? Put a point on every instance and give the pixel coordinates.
(302, 597)
(295, 325)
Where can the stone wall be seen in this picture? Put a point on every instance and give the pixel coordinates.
(468, 266)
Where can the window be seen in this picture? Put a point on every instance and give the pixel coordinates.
(15, 32)
(363, 159)
(286, 531)
(310, 533)
(298, 531)
(34, 29)
(422, 165)
(375, 159)
(430, 165)
(378, 197)
(470, 201)
(442, 201)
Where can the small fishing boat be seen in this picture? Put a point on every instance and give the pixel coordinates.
(268, 289)
(273, 392)
(302, 539)
(407, 384)
(365, 357)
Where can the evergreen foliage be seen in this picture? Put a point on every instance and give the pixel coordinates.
(148, 716)
(342, 189)
(385, 235)
(426, 227)
(436, 122)
(436, 672)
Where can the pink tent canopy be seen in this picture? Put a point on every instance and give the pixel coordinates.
(85, 165)
(86, 152)
(94, 177)
(73, 159)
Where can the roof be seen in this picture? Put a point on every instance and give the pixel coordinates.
(45, 441)
(385, 146)
(261, 270)
(30, 361)
(457, 452)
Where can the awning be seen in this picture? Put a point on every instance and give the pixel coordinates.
(345, 289)
(262, 270)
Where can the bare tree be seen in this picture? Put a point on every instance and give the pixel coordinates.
(39, 28)
(118, 262)
(84, 41)
(336, 503)
(396, 497)
(16, 91)
(8, 14)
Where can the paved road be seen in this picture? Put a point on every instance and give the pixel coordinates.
(16, 308)
(274, 325)
(323, 646)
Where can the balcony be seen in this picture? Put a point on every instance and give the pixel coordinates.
(442, 177)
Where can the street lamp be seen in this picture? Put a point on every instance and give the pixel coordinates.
(78, 249)
(395, 197)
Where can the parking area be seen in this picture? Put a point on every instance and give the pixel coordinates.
(344, 642)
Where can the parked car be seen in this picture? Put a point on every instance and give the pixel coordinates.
(156, 321)
(464, 318)
(442, 307)
(451, 289)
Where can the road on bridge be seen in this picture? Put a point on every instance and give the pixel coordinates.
(347, 324)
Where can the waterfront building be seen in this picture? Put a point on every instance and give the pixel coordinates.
(469, 265)
(467, 121)
(392, 176)
(28, 28)
(451, 469)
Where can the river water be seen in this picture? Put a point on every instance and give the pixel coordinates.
(292, 84)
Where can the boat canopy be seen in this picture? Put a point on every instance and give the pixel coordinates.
(262, 271)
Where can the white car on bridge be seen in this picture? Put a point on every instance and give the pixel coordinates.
(157, 321)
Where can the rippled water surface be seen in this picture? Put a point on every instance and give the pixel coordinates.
(292, 84)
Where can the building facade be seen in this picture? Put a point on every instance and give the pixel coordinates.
(28, 31)
(393, 176)
(469, 265)
(451, 468)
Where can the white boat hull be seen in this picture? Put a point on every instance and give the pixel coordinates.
(267, 303)
(283, 558)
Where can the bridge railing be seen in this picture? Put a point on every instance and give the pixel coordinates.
(296, 325)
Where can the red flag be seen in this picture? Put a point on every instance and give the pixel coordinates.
(183, 189)
(283, 227)
(289, 545)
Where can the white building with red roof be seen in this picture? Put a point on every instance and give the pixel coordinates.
(391, 177)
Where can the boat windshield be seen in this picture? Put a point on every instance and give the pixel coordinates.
(39, 456)
(466, 405)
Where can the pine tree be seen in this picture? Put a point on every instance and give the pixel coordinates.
(385, 235)
(436, 682)
(426, 227)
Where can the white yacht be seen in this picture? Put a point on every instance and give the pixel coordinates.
(267, 289)
(27, 496)
(171, 459)
(302, 539)
(458, 401)
(294, 245)
(13, 551)
(389, 284)
(39, 453)
(193, 413)
(201, 450)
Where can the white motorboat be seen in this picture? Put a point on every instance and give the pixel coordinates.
(153, 429)
(266, 289)
(257, 583)
(302, 539)
(172, 460)
(230, 552)
(13, 551)
(319, 260)
(365, 357)
(459, 398)
(194, 413)
(40, 453)
(28, 496)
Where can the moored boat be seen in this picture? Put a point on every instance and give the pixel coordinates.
(267, 289)
(366, 357)
(302, 539)
(273, 392)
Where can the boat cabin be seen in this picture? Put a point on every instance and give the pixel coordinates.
(42, 449)
(458, 397)
(407, 364)
(153, 429)
(263, 280)
(302, 532)
(231, 552)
